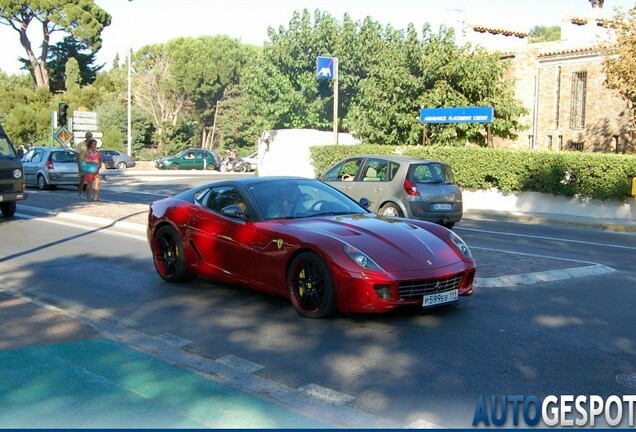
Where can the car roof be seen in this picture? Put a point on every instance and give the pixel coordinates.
(397, 158)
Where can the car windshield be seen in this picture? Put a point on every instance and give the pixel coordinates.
(300, 198)
(431, 173)
(6, 149)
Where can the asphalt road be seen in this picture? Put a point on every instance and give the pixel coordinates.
(552, 314)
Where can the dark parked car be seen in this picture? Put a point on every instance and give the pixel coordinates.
(302, 239)
(47, 167)
(400, 186)
(192, 158)
(116, 159)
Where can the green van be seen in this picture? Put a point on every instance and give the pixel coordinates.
(11, 176)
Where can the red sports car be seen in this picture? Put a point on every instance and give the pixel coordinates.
(301, 238)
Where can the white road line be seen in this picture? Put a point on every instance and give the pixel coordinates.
(541, 277)
(548, 238)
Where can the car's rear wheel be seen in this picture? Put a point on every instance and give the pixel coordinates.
(174, 167)
(8, 208)
(210, 166)
(42, 184)
(311, 288)
(391, 210)
(168, 255)
(448, 225)
(121, 166)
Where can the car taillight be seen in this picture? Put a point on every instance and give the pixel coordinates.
(410, 188)
(49, 165)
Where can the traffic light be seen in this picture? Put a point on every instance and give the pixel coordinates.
(62, 114)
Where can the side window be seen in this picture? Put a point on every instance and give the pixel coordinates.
(199, 155)
(37, 156)
(224, 196)
(345, 171)
(375, 170)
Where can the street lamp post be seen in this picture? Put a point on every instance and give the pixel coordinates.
(129, 120)
(129, 105)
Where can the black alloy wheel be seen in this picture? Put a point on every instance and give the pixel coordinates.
(311, 287)
(168, 255)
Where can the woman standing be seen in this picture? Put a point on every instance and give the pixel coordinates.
(91, 166)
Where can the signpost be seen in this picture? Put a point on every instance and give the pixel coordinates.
(457, 115)
(327, 68)
(85, 121)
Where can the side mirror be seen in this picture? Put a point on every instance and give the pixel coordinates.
(364, 202)
(235, 211)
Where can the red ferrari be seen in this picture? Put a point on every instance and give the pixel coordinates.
(303, 239)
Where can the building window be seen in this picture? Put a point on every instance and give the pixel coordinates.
(549, 142)
(575, 146)
(577, 108)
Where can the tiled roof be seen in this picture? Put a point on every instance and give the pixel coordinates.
(501, 31)
(568, 51)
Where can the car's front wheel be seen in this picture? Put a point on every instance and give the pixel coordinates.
(311, 288)
(391, 210)
(174, 167)
(168, 255)
(8, 208)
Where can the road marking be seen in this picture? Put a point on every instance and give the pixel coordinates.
(327, 394)
(549, 238)
(240, 364)
(109, 227)
(541, 277)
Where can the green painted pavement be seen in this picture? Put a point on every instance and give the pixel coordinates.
(99, 383)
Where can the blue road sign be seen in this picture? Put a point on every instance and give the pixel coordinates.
(456, 115)
(327, 68)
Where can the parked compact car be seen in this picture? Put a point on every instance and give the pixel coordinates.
(192, 158)
(302, 239)
(47, 167)
(116, 159)
(252, 159)
(400, 186)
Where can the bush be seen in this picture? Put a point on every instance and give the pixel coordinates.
(589, 175)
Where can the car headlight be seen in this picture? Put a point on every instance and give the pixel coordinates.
(460, 245)
(361, 258)
(17, 173)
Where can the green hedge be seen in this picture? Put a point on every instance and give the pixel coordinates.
(593, 175)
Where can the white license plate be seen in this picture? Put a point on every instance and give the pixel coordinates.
(440, 298)
(438, 206)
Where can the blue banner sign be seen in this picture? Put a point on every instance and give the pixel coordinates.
(456, 115)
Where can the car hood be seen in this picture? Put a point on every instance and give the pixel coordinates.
(392, 243)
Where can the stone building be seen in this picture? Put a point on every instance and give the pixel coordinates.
(561, 84)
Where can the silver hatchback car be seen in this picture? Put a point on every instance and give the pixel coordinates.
(47, 167)
(400, 186)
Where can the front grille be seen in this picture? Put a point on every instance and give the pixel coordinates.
(414, 289)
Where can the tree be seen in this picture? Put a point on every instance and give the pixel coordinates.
(82, 19)
(180, 82)
(620, 61)
(61, 53)
(544, 34)
(385, 76)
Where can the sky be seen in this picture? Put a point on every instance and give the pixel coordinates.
(136, 23)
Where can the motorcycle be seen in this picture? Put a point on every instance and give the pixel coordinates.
(236, 165)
